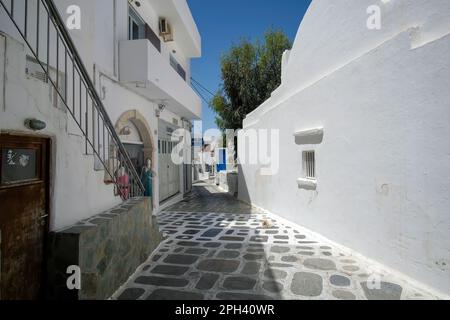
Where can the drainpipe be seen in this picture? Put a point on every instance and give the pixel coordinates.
(115, 37)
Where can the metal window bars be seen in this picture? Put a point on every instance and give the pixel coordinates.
(83, 103)
(309, 164)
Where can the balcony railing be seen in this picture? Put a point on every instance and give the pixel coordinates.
(151, 36)
(177, 67)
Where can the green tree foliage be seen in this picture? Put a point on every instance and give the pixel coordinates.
(250, 73)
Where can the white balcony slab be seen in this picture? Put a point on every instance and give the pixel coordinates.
(144, 70)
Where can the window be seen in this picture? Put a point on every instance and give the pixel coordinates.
(309, 164)
(136, 26)
(177, 67)
(173, 62)
(18, 165)
(138, 29)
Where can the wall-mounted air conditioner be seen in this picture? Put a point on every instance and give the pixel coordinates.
(164, 30)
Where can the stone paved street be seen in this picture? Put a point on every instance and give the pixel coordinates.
(220, 248)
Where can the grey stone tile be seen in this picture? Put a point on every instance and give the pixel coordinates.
(230, 238)
(196, 251)
(289, 259)
(344, 295)
(253, 257)
(275, 274)
(212, 233)
(162, 281)
(273, 286)
(320, 264)
(239, 283)
(169, 270)
(231, 296)
(207, 281)
(259, 239)
(280, 249)
(280, 265)
(228, 254)
(191, 232)
(131, 294)
(166, 294)
(251, 268)
(212, 245)
(181, 259)
(340, 281)
(188, 244)
(219, 265)
(307, 284)
(233, 246)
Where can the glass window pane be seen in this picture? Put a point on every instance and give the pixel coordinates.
(136, 25)
(19, 165)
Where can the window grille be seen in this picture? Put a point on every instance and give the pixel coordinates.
(309, 164)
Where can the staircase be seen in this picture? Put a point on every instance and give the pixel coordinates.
(43, 31)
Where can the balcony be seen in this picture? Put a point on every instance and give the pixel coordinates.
(144, 70)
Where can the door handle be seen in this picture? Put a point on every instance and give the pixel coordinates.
(45, 216)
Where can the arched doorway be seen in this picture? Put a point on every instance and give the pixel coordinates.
(136, 136)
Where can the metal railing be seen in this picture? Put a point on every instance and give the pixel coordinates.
(43, 30)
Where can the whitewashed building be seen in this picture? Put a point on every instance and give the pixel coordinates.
(130, 62)
(363, 117)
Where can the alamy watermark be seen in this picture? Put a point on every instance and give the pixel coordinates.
(374, 21)
(74, 278)
(256, 147)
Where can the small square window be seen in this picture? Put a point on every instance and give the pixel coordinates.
(18, 165)
(309, 164)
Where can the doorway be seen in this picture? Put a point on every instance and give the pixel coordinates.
(169, 172)
(24, 215)
(137, 157)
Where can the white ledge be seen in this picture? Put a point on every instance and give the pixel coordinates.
(307, 184)
(312, 136)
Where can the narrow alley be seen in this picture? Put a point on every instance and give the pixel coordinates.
(218, 248)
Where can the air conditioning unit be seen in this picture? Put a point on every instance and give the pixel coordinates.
(164, 27)
(165, 30)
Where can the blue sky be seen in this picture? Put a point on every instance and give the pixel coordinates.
(224, 22)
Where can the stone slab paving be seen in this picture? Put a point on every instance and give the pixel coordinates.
(218, 248)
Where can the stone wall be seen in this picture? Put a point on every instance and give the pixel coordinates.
(108, 248)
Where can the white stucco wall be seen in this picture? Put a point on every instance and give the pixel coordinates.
(382, 98)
